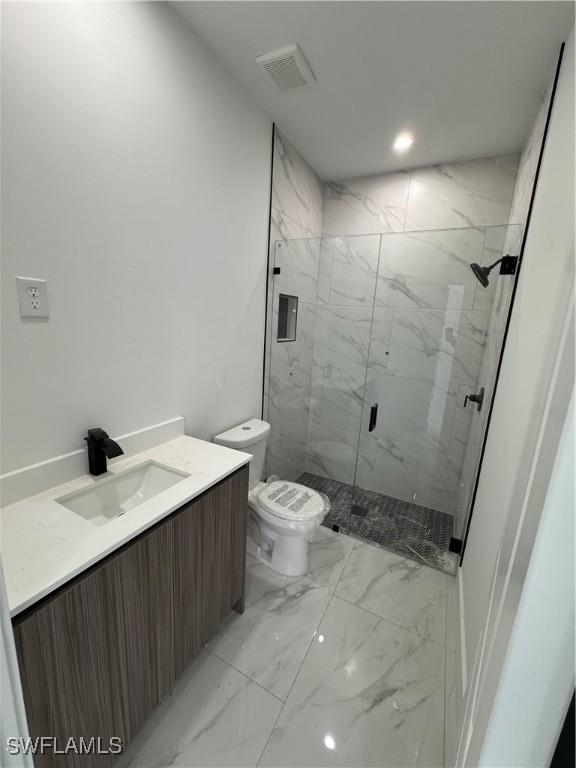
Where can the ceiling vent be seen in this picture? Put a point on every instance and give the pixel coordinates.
(287, 67)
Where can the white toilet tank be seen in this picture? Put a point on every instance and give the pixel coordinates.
(251, 437)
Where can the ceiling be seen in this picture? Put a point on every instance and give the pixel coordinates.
(465, 77)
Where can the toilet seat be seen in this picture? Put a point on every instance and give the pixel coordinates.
(291, 501)
(303, 518)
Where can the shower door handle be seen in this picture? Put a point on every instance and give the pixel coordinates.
(478, 398)
(373, 418)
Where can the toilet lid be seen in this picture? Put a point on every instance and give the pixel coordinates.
(291, 501)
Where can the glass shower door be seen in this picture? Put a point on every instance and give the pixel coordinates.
(345, 301)
(320, 313)
(428, 354)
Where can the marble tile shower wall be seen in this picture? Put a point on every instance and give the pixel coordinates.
(473, 193)
(425, 336)
(401, 321)
(290, 379)
(296, 224)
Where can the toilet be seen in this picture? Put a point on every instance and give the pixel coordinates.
(285, 515)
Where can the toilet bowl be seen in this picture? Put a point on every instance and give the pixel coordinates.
(285, 515)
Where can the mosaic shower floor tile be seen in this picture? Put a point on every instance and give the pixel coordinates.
(420, 533)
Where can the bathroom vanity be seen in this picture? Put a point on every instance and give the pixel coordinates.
(100, 652)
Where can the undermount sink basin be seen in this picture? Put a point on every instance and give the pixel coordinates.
(120, 493)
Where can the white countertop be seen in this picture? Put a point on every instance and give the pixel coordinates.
(44, 544)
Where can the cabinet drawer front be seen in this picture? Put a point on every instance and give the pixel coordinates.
(95, 660)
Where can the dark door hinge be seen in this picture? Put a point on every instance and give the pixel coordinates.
(455, 545)
(477, 398)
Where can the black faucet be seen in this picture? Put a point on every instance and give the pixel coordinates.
(100, 448)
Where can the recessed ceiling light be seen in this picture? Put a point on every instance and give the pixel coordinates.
(403, 142)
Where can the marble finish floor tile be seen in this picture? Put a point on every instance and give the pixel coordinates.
(215, 717)
(360, 689)
(432, 751)
(268, 642)
(362, 698)
(329, 552)
(400, 590)
(410, 530)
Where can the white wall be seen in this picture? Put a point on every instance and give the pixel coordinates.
(535, 704)
(524, 678)
(539, 312)
(136, 180)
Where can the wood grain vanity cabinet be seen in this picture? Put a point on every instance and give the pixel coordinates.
(211, 565)
(97, 656)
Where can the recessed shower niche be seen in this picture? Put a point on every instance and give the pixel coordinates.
(287, 317)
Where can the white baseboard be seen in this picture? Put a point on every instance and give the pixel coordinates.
(36, 478)
(463, 663)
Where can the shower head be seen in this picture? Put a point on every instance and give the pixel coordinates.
(508, 267)
(481, 273)
(507, 263)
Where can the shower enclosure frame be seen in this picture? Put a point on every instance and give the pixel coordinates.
(525, 230)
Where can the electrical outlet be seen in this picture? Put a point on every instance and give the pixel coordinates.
(32, 297)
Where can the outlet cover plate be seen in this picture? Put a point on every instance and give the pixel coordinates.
(32, 297)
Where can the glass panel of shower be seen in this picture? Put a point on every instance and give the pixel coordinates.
(375, 398)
